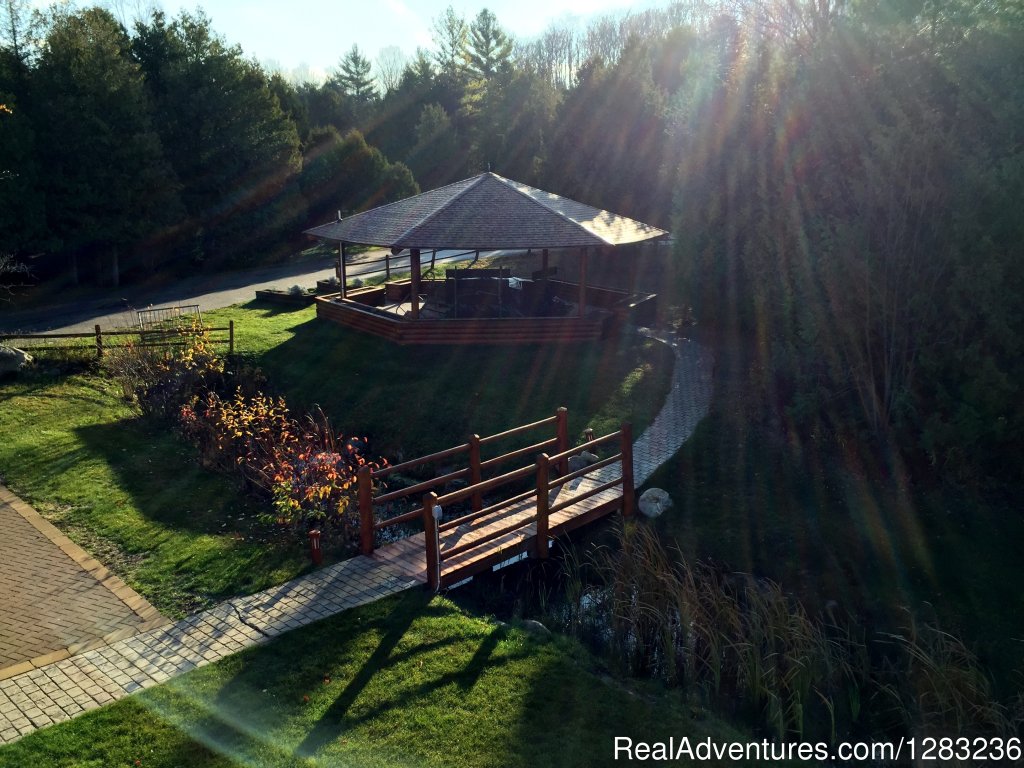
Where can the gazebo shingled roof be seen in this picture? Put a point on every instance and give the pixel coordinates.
(487, 212)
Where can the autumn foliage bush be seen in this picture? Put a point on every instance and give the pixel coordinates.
(298, 462)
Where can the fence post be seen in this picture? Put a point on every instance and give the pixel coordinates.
(474, 471)
(231, 338)
(540, 543)
(99, 342)
(364, 480)
(431, 541)
(628, 488)
(562, 433)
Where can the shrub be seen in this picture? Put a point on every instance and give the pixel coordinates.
(300, 464)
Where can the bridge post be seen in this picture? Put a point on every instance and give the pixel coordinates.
(474, 471)
(364, 484)
(431, 541)
(540, 543)
(628, 487)
(562, 433)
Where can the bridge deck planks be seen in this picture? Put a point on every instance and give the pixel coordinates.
(409, 554)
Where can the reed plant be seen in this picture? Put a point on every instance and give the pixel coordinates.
(746, 647)
(937, 687)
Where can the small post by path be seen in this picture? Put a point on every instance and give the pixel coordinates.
(99, 342)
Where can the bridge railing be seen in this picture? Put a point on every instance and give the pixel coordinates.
(434, 504)
(473, 473)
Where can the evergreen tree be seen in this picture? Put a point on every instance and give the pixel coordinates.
(355, 78)
(235, 151)
(106, 181)
(489, 48)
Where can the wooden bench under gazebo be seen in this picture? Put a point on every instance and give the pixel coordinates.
(484, 305)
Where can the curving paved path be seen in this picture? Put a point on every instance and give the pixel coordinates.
(58, 691)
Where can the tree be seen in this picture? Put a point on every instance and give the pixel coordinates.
(106, 181)
(15, 22)
(489, 49)
(451, 38)
(390, 65)
(11, 272)
(435, 159)
(348, 175)
(22, 204)
(234, 150)
(355, 78)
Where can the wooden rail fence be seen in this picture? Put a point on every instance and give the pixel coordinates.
(99, 340)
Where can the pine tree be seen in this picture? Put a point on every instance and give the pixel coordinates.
(490, 49)
(355, 78)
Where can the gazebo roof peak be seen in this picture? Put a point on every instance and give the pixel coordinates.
(487, 212)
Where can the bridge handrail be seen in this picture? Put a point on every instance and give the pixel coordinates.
(477, 487)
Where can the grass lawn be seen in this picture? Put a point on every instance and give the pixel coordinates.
(406, 681)
(414, 400)
(132, 493)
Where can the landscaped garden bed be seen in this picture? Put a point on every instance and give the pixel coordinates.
(292, 298)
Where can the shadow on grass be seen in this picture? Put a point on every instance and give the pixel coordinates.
(414, 400)
(338, 719)
(163, 477)
(272, 308)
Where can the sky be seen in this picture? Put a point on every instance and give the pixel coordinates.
(316, 33)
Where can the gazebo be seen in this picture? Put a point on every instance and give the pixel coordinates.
(483, 213)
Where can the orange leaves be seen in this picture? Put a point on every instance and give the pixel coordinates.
(307, 470)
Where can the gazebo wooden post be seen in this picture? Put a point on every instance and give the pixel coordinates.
(583, 282)
(414, 269)
(341, 267)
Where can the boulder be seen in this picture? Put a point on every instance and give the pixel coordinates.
(13, 360)
(534, 627)
(654, 501)
(577, 463)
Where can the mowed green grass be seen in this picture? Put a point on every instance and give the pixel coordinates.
(408, 681)
(412, 400)
(133, 493)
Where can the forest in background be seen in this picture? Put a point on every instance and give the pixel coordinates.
(844, 179)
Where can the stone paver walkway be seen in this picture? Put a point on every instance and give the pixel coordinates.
(60, 690)
(687, 403)
(55, 600)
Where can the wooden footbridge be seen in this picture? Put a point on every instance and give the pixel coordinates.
(527, 506)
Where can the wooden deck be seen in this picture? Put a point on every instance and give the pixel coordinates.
(559, 500)
(409, 554)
